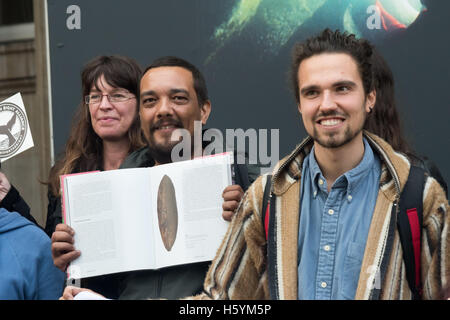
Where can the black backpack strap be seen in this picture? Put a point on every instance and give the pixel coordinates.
(240, 174)
(266, 203)
(410, 220)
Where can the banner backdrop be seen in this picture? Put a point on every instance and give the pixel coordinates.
(243, 48)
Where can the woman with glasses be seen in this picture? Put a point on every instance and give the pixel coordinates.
(105, 130)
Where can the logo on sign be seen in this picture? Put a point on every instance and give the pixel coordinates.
(13, 129)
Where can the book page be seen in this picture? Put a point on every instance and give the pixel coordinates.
(203, 209)
(198, 185)
(110, 220)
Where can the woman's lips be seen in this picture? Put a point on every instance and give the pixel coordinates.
(106, 120)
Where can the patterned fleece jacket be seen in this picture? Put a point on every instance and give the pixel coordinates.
(248, 267)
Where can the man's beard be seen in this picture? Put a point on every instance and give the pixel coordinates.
(332, 140)
(162, 151)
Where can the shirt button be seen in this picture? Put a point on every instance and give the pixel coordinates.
(349, 198)
(331, 211)
(320, 181)
(327, 248)
(323, 284)
(315, 193)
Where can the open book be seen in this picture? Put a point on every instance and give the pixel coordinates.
(146, 218)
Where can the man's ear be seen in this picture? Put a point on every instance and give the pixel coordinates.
(299, 108)
(205, 110)
(371, 99)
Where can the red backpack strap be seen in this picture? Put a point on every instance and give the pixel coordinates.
(414, 224)
(265, 213)
(410, 220)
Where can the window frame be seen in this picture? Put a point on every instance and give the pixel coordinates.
(17, 32)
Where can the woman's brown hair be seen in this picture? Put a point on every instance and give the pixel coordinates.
(84, 148)
(384, 119)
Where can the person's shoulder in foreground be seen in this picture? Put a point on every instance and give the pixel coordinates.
(26, 266)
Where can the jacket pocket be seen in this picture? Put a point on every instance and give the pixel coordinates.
(352, 268)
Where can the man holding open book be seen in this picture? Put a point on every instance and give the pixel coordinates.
(173, 96)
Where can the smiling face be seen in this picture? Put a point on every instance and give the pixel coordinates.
(168, 101)
(333, 103)
(111, 121)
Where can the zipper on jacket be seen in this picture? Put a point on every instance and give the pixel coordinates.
(272, 243)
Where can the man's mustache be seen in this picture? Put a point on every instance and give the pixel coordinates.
(164, 122)
(332, 113)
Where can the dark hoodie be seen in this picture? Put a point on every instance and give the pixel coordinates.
(26, 265)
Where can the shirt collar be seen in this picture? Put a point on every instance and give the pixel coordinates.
(351, 179)
(358, 174)
(316, 174)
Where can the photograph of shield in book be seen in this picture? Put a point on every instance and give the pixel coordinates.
(167, 212)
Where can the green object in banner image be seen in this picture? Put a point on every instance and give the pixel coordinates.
(272, 23)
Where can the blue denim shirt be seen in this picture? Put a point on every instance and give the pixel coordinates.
(334, 227)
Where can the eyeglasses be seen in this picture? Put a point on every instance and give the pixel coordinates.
(96, 98)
